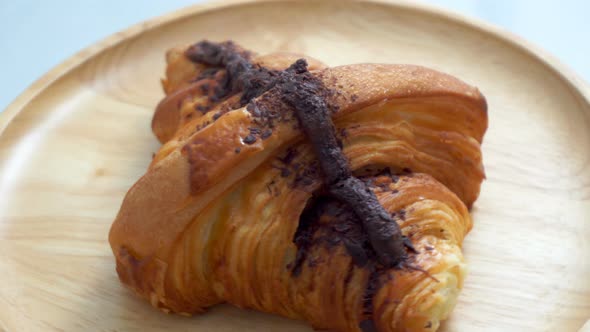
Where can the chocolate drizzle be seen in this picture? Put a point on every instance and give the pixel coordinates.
(327, 221)
(306, 94)
(364, 227)
(240, 74)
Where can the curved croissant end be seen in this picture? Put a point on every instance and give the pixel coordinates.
(228, 214)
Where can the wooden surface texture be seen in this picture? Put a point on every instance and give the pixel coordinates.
(75, 141)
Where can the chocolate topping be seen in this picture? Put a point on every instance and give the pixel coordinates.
(373, 285)
(368, 325)
(307, 95)
(241, 75)
(328, 221)
(348, 213)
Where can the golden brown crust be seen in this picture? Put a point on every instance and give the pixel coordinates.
(213, 218)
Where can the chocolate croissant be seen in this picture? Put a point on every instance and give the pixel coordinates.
(338, 196)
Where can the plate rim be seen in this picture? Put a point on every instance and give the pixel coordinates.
(575, 83)
(573, 80)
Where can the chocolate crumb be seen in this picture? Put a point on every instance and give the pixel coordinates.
(408, 243)
(289, 156)
(343, 133)
(205, 88)
(237, 150)
(285, 172)
(202, 108)
(402, 214)
(241, 74)
(253, 109)
(266, 134)
(216, 115)
(250, 139)
(383, 186)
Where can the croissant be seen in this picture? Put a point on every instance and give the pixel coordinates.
(338, 196)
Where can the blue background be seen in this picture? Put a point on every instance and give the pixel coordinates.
(37, 35)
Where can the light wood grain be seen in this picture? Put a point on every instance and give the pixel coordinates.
(74, 142)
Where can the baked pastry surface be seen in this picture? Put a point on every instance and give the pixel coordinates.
(234, 207)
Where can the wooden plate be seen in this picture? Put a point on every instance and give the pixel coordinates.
(75, 141)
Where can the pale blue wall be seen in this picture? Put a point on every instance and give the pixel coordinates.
(37, 35)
